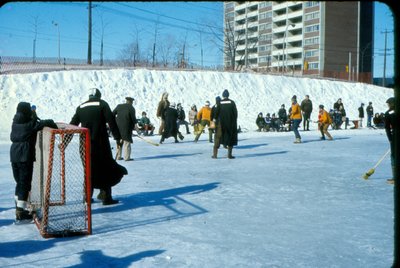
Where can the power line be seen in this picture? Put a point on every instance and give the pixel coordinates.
(169, 17)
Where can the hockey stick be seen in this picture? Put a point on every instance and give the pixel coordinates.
(372, 170)
(146, 140)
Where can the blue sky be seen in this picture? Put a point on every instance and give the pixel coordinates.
(176, 21)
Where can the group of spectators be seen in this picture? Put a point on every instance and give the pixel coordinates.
(337, 115)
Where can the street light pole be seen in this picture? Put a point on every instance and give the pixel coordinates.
(58, 29)
(284, 46)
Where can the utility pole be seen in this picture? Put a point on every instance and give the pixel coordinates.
(58, 29)
(89, 56)
(384, 60)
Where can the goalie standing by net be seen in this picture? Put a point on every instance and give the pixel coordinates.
(22, 154)
(95, 114)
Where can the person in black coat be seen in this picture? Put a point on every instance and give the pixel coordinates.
(306, 108)
(95, 114)
(227, 113)
(171, 127)
(361, 113)
(125, 116)
(370, 114)
(22, 154)
(181, 118)
(260, 122)
(391, 124)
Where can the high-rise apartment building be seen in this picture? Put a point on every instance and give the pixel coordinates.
(329, 39)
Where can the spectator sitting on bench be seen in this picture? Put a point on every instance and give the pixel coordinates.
(145, 126)
(260, 122)
(379, 120)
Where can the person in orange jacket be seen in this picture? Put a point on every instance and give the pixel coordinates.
(204, 117)
(324, 121)
(295, 116)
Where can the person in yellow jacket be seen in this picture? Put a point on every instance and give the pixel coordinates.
(204, 117)
(324, 121)
(295, 116)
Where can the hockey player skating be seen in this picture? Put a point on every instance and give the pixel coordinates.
(295, 116)
(204, 117)
(324, 121)
(22, 155)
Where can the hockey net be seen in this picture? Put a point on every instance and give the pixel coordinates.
(61, 193)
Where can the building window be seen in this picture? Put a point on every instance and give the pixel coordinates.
(264, 37)
(230, 15)
(311, 53)
(313, 66)
(311, 41)
(265, 4)
(229, 5)
(264, 48)
(311, 16)
(265, 15)
(311, 4)
(262, 59)
(265, 26)
(312, 28)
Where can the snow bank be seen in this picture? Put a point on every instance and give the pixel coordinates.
(57, 94)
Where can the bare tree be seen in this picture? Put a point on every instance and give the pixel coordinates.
(155, 42)
(131, 54)
(165, 49)
(181, 53)
(229, 40)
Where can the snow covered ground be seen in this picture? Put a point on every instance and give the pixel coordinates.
(278, 204)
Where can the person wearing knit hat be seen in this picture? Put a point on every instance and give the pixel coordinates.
(22, 155)
(94, 92)
(204, 117)
(95, 114)
(295, 116)
(227, 114)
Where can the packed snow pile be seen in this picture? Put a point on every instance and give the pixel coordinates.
(57, 94)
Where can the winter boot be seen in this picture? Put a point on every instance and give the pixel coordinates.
(298, 140)
(180, 136)
(102, 195)
(162, 140)
(22, 214)
(108, 200)
(215, 153)
(230, 156)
